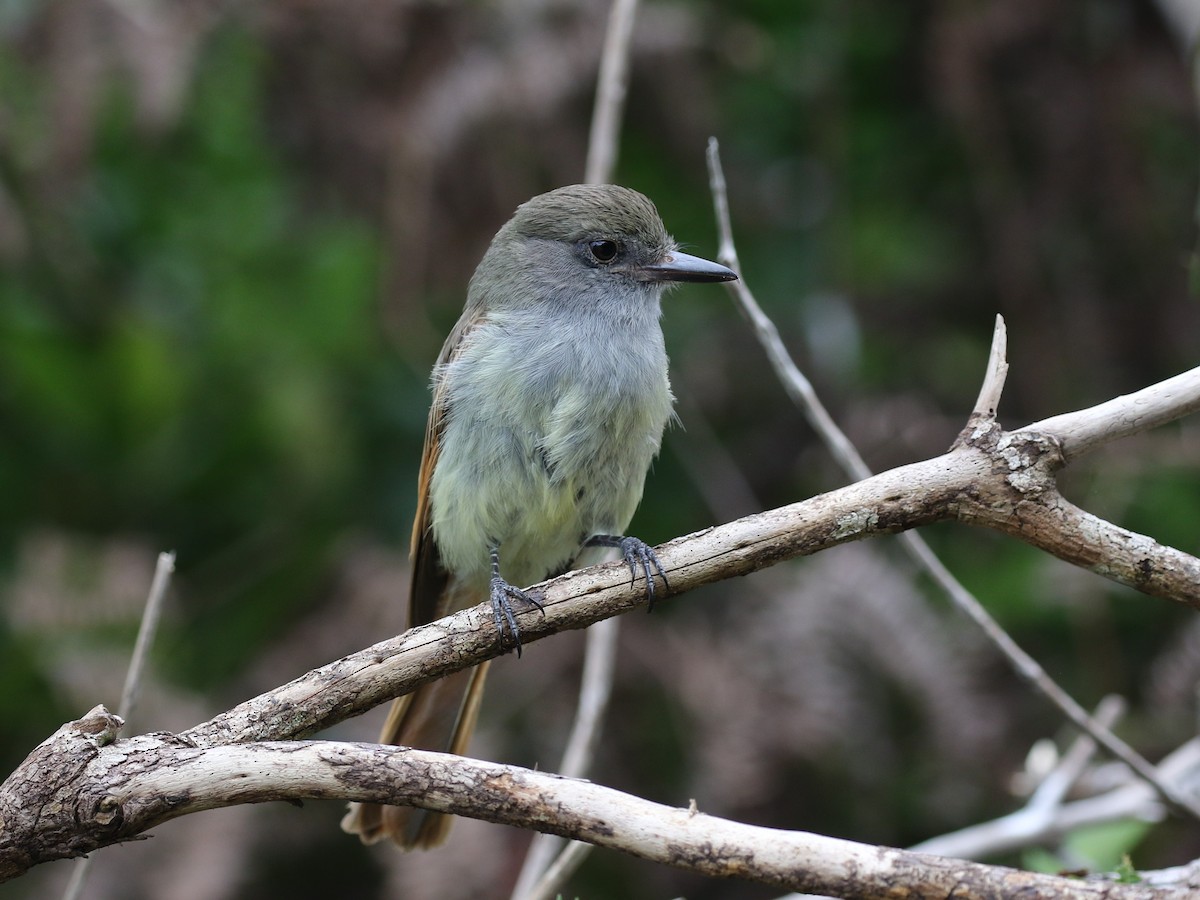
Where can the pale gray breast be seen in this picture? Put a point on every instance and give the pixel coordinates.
(568, 415)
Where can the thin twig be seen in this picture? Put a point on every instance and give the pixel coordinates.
(1043, 814)
(1058, 782)
(1031, 670)
(595, 689)
(610, 93)
(798, 387)
(163, 570)
(151, 616)
(997, 372)
(599, 669)
(801, 391)
(560, 870)
(538, 874)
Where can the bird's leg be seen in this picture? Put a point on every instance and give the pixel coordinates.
(502, 609)
(637, 555)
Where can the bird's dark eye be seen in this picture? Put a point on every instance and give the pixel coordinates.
(604, 251)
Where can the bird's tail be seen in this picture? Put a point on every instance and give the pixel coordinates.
(436, 716)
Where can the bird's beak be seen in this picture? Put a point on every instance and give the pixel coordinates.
(676, 266)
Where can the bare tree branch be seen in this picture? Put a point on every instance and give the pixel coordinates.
(1054, 788)
(610, 93)
(122, 789)
(539, 877)
(1079, 432)
(563, 867)
(799, 388)
(147, 631)
(1032, 825)
(1042, 817)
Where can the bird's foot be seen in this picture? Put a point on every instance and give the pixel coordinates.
(640, 558)
(502, 595)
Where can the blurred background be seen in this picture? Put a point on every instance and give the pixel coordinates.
(233, 237)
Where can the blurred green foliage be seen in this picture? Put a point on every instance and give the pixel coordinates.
(190, 355)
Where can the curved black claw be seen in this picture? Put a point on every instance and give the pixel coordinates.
(640, 558)
(501, 593)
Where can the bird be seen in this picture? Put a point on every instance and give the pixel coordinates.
(550, 398)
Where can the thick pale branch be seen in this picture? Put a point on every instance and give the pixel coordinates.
(1054, 524)
(1026, 504)
(124, 788)
(901, 498)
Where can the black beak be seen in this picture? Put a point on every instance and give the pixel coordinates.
(676, 266)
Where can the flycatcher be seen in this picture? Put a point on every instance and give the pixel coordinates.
(549, 401)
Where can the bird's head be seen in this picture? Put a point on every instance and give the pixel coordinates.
(585, 238)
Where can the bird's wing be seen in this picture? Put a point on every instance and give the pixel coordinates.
(429, 597)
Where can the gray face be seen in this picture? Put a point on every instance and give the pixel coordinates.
(587, 242)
